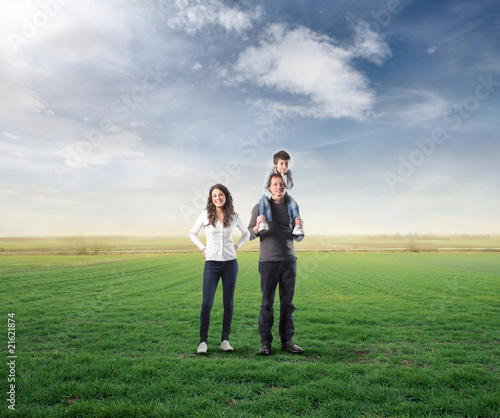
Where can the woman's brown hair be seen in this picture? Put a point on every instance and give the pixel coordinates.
(228, 208)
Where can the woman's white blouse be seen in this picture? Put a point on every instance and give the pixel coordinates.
(220, 246)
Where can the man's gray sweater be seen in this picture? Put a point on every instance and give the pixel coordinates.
(276, 244)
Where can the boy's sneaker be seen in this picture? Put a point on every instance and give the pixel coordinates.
(263, 226)
(265, 349)
(202, 348)
(298, 230)
(225, 346)
(291, 346)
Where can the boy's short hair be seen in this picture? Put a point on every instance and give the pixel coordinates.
(281, 155)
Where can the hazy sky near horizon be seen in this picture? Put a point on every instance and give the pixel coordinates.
(117, 116)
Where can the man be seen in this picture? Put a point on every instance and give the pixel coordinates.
(277, 266)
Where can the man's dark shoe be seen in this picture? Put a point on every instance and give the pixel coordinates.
(265, 349)
(291, 346)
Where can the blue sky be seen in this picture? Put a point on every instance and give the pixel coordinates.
(118, 116)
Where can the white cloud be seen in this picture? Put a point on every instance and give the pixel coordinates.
(117, 144)
(19, 154)
(312, 66)
(369, 44)
(63, 80)
(19, 101)
(53, 202)
(35, 76)
(54, 34)
(193, 15)
(10, 136)
(416, 106)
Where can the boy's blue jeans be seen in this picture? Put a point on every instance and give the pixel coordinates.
(291, 204)
(215, 270)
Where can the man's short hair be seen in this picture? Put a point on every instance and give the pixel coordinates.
(281, 155)
(271, 179)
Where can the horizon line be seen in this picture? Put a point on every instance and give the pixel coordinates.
(397, 234)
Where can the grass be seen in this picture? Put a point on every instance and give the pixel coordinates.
(384, 334)
(106, 244)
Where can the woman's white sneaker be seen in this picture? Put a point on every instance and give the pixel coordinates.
(202, 348)
(225, 346)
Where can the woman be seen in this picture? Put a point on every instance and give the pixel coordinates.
(219, 220)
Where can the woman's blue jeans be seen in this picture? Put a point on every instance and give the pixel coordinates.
(215, 270)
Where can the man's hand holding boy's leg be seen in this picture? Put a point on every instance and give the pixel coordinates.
(299, 227)
(261, 224)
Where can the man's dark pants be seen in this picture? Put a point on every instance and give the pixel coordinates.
(273, 274)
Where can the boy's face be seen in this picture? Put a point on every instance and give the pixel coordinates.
(282, 166)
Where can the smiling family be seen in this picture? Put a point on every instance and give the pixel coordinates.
(276, 221)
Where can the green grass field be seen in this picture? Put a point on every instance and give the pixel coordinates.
(384, 334)
(106, 244)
